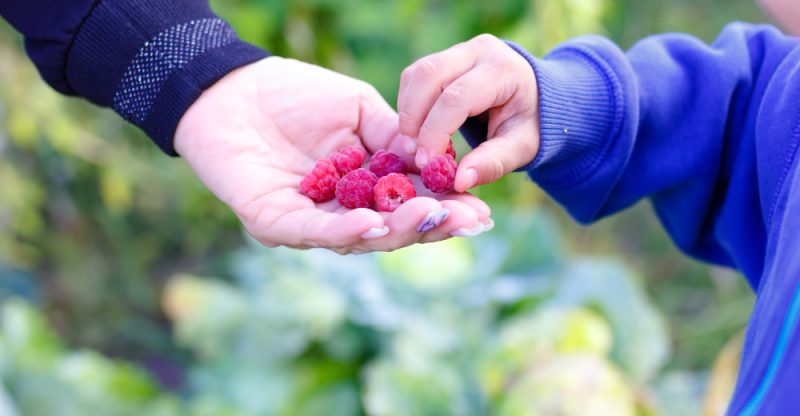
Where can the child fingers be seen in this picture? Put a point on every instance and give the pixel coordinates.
(473, 93)
(423, 81)
(494, 158)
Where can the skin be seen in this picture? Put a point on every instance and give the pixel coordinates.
(271, 120)
(785, 12)
(252, 136)
(439, 92)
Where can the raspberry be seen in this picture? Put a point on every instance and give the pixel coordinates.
(348, 159)
(392, 190)
(384, 163)
(450, 150)
(439, 174)
(320, 183)
(354, 190)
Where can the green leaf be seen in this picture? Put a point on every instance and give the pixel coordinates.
(641, 343)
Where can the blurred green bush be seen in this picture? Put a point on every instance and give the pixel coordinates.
(126, 288)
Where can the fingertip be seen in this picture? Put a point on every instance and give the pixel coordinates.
(486, 162)
(466, 180)
(409, 145)
(376, 232)
(468, 232)
(480, 207)
(422, 157)
(462, 221)
(433, 220)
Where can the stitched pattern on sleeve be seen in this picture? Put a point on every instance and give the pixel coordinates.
(169, 51)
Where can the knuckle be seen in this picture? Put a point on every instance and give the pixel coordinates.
(426, 133)
(262, 239)
(494, 168)
(268, 243)
(311, 243)
(407, 74)
(342, 251)
(368, 88)
(427, 68)
(530, 148)
(408, 123)
(453, 96)
(248, 214)
(485, 39)
(406, 118)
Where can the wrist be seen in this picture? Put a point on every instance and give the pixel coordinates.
(578, 98)
(529, 88)
(230, 98)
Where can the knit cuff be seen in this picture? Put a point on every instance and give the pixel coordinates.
(151, 59)
(578, 106)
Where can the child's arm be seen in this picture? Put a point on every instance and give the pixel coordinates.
(706, 131)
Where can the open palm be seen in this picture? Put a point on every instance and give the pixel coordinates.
(253, 135)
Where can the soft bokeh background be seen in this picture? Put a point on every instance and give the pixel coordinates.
(127, 289)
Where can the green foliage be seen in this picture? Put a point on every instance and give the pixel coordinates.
(306, 332)
(111, 246)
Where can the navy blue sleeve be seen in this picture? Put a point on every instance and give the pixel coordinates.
(49, 27)
(687, 124)
(147, 59)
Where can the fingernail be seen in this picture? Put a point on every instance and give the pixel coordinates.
(409, 145)
(472, 178)
(433, 220)
(375, 233)
(468, 232)
(422, 158)
(488, 225)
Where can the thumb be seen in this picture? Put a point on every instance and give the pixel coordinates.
(496, 158)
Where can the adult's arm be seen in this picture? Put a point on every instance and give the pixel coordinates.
(147, 59)
(249, 127)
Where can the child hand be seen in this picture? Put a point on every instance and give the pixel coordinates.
(484, 75)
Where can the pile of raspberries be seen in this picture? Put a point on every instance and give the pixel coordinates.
(384, 186)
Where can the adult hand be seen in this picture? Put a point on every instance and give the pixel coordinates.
(253, 135)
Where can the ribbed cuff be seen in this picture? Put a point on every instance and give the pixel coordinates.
(151, 59)
(578, 114)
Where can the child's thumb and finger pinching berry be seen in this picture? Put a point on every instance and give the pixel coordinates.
(497, 157)
(439, 92)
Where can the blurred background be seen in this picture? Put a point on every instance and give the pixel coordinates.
(127, 289)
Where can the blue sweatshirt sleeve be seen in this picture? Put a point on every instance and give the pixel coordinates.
(673, 119)
(147, 59)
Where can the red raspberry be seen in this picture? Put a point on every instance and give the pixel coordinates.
(354, 190)
(348, 159)
(320, 183)
(439, 174)
(392, 190)
(450, 150)
(384, 162)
